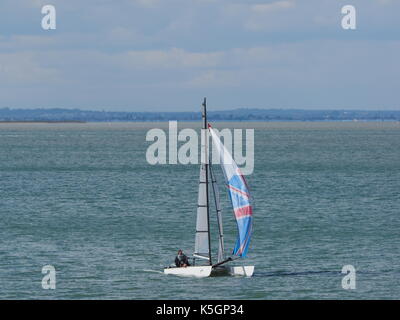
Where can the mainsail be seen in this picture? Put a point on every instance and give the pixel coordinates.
(202, 246)
(239, 195)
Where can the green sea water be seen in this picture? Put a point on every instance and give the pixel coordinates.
(82, 198)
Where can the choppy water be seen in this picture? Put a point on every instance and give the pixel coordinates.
(82, 198)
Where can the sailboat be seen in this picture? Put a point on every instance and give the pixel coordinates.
(203, 264)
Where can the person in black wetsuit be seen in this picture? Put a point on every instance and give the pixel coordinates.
(181, 260)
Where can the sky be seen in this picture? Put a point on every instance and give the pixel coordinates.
(166, 55)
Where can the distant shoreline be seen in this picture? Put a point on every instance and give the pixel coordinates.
(196, 121)
(243, 114)
(40, 121)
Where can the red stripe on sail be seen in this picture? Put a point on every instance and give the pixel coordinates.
(238, 191)
(242, 177)
(243, 212)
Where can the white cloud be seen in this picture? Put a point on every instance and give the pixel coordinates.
(167, 59)
(268, 7)
(215, 78)
(260, 16)
(24, 69)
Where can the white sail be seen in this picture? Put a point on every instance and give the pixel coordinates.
(202, 238)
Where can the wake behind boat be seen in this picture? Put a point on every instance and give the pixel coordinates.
(203, 265)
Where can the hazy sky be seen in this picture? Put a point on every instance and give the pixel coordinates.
(146, 55)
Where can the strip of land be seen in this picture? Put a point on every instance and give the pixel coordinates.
(40, 121)
(244, 114)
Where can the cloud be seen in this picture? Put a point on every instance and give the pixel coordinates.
(170, 59)
(258, 16)
(269, 7)
(23, 69)
(215, 78)
(277, 53)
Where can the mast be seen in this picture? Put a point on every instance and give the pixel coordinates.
(205, 128)
(202, 247)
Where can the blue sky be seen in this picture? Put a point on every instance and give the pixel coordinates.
(165, 55)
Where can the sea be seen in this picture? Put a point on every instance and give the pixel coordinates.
(82, 200)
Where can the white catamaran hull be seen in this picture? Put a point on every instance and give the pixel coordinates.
(207, 271)
(246, 271)
(198, 272)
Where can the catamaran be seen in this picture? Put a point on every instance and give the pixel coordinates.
(238, 190)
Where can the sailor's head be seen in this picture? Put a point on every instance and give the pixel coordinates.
(180, 252)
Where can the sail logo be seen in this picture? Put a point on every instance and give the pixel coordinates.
(182, 147)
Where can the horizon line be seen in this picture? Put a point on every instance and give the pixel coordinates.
(209, 111)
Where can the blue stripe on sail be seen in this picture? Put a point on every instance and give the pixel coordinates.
(238, 192)
(244, 236)
(239, 195)
(237, 200)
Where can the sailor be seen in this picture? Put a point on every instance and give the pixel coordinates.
(181, 260)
